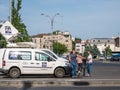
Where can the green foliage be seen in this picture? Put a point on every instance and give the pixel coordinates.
(94, 50)
(17, 22)
(77, 39)
(87, 48)
(59, 48)
(56, 32)
(2, 41)
(107, 52)
(73, 45)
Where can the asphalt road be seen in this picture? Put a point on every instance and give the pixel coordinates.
(106, 70)
(100, 70)
(61, 88)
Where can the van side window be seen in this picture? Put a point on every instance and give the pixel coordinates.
(20, 55)
(41, 56)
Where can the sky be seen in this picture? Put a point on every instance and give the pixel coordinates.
(84, 19)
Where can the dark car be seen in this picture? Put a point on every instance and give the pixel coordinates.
(115, 58)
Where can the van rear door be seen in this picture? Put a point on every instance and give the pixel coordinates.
(1, 56)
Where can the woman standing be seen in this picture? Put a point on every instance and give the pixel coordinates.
(79, 62)
(73, 62)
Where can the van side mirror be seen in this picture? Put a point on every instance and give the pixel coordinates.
(49, 59)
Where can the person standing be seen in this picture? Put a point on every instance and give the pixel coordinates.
(73, 62)
(89, 63)
(79, 62)
(84, 66)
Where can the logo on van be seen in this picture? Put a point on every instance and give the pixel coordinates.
(44, 64)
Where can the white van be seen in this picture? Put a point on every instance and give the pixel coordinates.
(18, 61)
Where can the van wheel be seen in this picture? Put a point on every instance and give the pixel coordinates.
(14, 72)
(59, 72)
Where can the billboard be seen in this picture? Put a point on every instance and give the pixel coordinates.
(8, 30)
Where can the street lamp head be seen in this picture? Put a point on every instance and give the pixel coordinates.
(42, 14)
(57, 13)
(48, 15)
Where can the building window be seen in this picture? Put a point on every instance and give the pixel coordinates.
(77, 46)
(66, 40)
(48, 38)
(44, 37)
(98, 40)
(35, 40)
(40, 40)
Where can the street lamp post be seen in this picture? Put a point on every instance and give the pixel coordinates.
(52, 19)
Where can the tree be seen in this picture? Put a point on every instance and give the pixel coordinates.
(94, 50)
(17, 22)
(56, 32)
(77, 40)
(107, 52)
(2, 41)
(73, 45)
(87, 48)
(59, 48)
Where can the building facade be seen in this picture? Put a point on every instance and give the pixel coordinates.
(80, 47)
(46, 40)
(117, 43)
(102, 43)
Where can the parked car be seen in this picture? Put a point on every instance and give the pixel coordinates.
(108, 57)
(115, 58)
(101, 57)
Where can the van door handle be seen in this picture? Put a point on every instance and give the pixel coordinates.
(37, 63)
(31, 63)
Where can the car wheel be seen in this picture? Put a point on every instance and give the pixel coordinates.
(59, 72)
(14, 72)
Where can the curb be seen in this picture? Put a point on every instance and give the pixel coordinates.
(60, 82)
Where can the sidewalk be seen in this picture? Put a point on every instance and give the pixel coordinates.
(59, 82)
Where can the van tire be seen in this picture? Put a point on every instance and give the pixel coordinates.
(14, 72)
(59, 72)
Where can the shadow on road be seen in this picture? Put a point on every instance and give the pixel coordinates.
(27, 85)
(79, 83)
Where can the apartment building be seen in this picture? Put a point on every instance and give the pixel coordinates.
(102, 43)
(46, 40)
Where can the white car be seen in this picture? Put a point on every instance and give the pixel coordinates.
(101, 57)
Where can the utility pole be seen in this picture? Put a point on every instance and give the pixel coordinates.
(10, 10)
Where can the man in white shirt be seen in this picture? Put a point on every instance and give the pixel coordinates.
(89, 63)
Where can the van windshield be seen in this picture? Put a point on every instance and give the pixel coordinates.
(50, 53)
